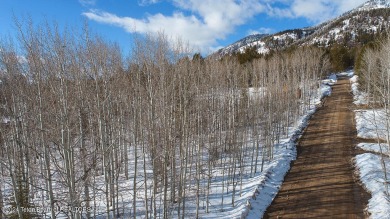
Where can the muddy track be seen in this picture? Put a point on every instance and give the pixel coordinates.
(321, 182)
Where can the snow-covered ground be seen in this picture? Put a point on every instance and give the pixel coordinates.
(373, 178)
(359, 98)
(257, 192)
(373, 165)
(259, 189)
(370, 123)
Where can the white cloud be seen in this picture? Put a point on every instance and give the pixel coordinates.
(347, 5)
(204, 22)
(208, 22)
(279, 12)
(87, 3)
(147, 2)
(222, 13)
(262, 30)
(315, 11)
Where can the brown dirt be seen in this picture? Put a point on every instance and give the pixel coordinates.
(321, 182)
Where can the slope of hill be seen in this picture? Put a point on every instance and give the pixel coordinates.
(357, 26)
(250, 40)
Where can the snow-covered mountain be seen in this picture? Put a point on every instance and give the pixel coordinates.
(240, 45)
(357, 26)
(374, 4)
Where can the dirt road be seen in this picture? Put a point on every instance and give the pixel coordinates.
(321, 182)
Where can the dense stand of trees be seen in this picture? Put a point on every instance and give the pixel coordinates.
(83, 126)
(373, 69)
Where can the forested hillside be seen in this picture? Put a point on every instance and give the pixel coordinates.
(342, 37)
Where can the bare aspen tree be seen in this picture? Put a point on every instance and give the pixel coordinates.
(11, 140)
(376, 81)
(32, 43)
(59, 68)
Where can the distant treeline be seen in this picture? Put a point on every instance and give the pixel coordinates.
(342, 56)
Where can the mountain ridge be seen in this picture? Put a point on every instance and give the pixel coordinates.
(373, 4)
(356, 26)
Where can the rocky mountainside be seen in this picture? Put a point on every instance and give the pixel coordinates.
(357, 26)
(250, 40)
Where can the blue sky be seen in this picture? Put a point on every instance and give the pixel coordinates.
(206, 24)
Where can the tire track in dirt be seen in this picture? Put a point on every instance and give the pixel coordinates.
(321, 182)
